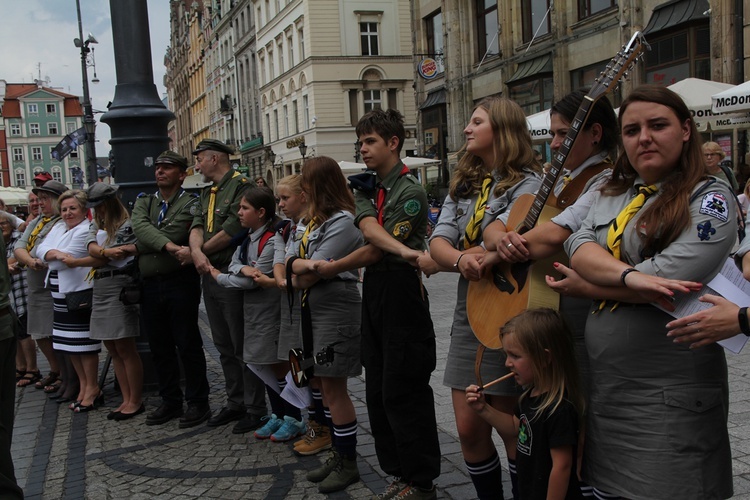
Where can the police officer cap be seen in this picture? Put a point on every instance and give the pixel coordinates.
(51, 187)
(172, 158)
(213, 145)
(98, 192)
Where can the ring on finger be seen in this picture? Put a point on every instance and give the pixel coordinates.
(509, 245)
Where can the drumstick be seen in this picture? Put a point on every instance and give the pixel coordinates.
(497, 380)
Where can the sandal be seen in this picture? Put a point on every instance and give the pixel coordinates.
(48, 380)
(53, 387)
(29, 379)
(20, 374)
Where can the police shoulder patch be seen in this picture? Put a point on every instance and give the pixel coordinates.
(402, 230)
(715, 205)
(412, 207)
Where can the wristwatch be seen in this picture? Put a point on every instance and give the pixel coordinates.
(744, 323)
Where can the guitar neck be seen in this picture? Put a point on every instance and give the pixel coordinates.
(558, 161)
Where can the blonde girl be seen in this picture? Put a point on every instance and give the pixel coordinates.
(539, 349)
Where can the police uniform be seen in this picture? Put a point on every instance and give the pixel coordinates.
(657, 423)
(289, 332)
(110, 318)
(262, 305)
(39, 302)
(224, 306)
(398, 339)
(451, 226)
(171, 296)
(335, 304)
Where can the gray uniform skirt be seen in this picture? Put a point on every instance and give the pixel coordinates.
(336, 308)
(262, 322)
(110, 318)
(459, 367)
(290, 336)
(657, 422)
(39, 305)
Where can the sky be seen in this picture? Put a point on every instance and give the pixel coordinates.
(37, 40)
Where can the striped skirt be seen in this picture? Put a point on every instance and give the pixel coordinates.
(70, 329)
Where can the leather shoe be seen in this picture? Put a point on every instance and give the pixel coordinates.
(225, 416)
(195, 415)
(163, 414)
(248, 423)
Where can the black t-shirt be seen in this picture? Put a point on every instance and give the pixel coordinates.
(536, 436)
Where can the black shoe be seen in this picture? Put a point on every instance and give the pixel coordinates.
(225, 416)
(120, 416)
(195, 415)
(247, 423)
(163, 414)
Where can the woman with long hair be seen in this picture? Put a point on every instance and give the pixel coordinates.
(331, 310)
(114, 322)
(64, 251)
(657, 422)
(497, 166)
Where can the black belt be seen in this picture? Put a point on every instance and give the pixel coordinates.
(115, 272)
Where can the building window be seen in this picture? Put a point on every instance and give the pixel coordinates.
(74, 153)
(588, 8)
(679, 55)
(584, 77)
(20, 178)
(56, 175)
(295, 118)
(368, 33)
(488, 43)
(268, 126)
(306, 111)
(70, 127)
(271, 68)
(433, 28)
(36, 153)
(280, 50)
(301, 37)
(52, 128)
(290, 47)
(535, 14)
(51, 109)
(15, 129)
(276, 123)
(286, 120)
(372, 100)
(17, 154)
(533, 95)
(34, 129)
(33, 109)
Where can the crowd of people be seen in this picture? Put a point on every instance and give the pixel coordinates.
(609, 397)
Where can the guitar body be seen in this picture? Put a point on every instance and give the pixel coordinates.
(510, 289)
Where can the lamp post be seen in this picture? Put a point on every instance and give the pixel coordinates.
(88, 113)
(357, 154)
(303, 151)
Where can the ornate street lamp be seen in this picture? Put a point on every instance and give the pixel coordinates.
(88, 113)
(357, 154)
(303, 151)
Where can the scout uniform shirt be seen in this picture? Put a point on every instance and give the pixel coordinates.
(152, 235)
(405, 210)
(230, 190)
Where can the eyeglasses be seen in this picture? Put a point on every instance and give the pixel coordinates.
(709, 155)
(4, 223)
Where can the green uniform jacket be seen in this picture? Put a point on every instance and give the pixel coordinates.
(152, 258)
(405, 213)
(231, 188)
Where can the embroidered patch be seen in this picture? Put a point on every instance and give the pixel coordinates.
(402, 230)
(412, 207)
(195, 209)
(715, 205)
(460, 212)
(705, 231)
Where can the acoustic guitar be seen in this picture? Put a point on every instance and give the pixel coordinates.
(508, 289)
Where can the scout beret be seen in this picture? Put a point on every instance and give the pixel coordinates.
(98, 192)
(43, 177)
(172, 158)
(213, 145)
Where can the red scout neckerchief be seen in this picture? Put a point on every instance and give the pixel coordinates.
(380, 201)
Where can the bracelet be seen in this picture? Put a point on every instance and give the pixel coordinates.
(744, 323)
(625, 273)
(455, 266)
(101, 252)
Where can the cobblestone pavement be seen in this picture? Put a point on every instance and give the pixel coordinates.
(61, 455)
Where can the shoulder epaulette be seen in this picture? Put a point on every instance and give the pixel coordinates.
(141, 195)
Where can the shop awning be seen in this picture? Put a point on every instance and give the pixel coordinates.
(532, 67)
(433, 99)
(258, 141)
(676, 12)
